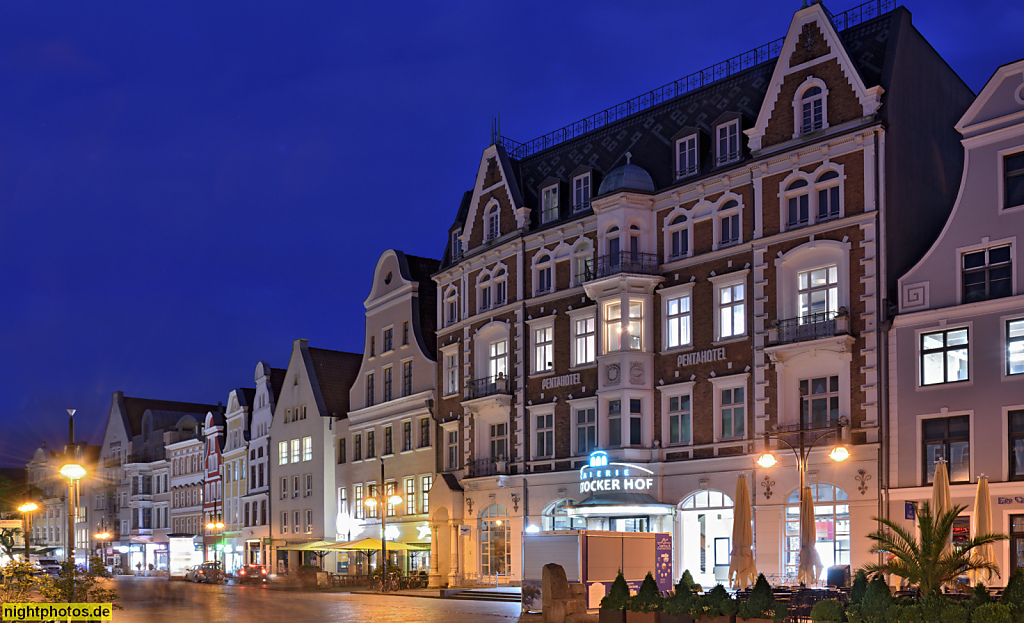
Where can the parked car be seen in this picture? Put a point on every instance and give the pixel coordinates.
(253, 573)
(50, 566)
(194, 574)
(211, 573)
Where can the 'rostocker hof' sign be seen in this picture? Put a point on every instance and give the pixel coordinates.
(600, 476)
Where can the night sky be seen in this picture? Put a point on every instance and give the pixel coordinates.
(187, 187)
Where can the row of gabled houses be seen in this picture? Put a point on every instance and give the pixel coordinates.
(773, 250)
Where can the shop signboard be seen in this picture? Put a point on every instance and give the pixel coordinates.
(182, 555)
(600, 475)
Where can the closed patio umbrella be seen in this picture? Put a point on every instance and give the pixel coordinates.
(983, 525)
(810, 563)
(941, 501)
(742, 572)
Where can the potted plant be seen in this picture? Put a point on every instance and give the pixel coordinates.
(716, 607)
(992, 613)
(760, 606)
(827, 611)
(679, 604)
(613, 605)
(646, 605)
(874, 605)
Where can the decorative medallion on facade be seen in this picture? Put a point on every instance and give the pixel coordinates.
(612, 373)
(636, 373)
(767, 483)
(862, 477)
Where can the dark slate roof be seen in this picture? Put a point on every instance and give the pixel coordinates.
(425, 314)
(647, 135)
(451, 481)
(136, 407)
(277, 381)
(335, 371)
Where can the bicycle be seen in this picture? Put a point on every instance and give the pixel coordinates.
(386, 583)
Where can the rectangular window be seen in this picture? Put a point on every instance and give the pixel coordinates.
(614, 423)
(296, 450)
(544, 349)
(678, 314)
(586, 431)
(499, 441)
(679, 420)
(549, 204)
(388, 379)
(372, 509)
(284, 488)
(387, 440)
(828, 202)
(733, 413)
(612, 326)
(543, 280)
(406, 436)
(309, 522)
(799, 204)
(371, 446)
(1013, 180)
(307, 448)
(581, 193)
(819, 402)
(410, 496)
(284, 522)
(309, 485)
(296, 516)
(729, 142)
(426, 482)
(818, 293)
(1015, 347)
(585, 341)
(944, 357)
(390, 490)
(282, 453)
(635, 421)
(389, 336)
(357, 499)
(342, 458)
(357, 447)
(296, 487)
(343, 501)
(451, 374)
(987, 274)
(406, 378)
(730, 229)
(453, 451)
(947, 439)
(1016, 428)
(686, 156)
(369, 390)
(732, 311)
(424, 432)
(636, 325)
(545, 435)
(498, 359)
(373, 345)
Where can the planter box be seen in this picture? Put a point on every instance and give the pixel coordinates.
(676, 618)
(642, 617)
(611, 616)
(721, 619)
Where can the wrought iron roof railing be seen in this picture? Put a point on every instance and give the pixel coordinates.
(696, 80)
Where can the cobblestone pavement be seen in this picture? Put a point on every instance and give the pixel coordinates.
(155, 600)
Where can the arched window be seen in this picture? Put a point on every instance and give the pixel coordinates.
(798, 203)
(542, 273)
(483, 293)
(678, 238)
(556, 518)
(832, 527)
(493, 222)
(706, 499)
(495, 546)
(634, 243)
(729, 223)
(810, 107)
(582, 261)
(451, 306)
(705, 534)
(500, 286)
(827, 187)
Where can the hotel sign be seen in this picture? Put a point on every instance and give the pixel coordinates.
(701, 356)
(560, 381)
(600, 475)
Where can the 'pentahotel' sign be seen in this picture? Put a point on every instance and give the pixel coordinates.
(600, 475)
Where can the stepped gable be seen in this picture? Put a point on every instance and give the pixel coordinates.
(335, 372)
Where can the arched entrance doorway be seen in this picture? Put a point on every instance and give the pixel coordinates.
(495, 547)
(832, 528)
(705, 535)
(556, 518)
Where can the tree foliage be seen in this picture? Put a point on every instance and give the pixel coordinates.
(8, 542)
(19, 582)
(75, 585)
(617, 594)
(928, 561)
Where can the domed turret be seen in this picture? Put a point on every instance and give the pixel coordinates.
(627, 177)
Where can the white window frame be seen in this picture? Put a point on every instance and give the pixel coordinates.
(676, 390)
(450, 430)
(986, 245)
(456, 248)
(542, 360)
(451, 305)
(282, 453)
(452, 370)
(670, 294)
(810, 256)
(574, 407)
(589, 352)
(684, 230)
(720, 282)
(724, 211)
(543, 263)
(549, 204)
(790, 194)
(730, 133)
(582, 255)
(494, 435)
(581, 187)
(688, 165)
(492, 222)
(815, 185)
(483, 292)
(799, 129)
(307, 448)
(499, 284)
(544, 415)
(1001, 156)
(732, 381)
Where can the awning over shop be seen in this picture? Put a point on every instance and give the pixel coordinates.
(615, 504)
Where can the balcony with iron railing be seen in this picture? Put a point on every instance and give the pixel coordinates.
(618, 263)
(486, 467)
(810, 327)
(487, 386)
(686, 171)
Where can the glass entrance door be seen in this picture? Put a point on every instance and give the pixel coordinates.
(1016, 543)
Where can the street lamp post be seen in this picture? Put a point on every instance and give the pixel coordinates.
(381, 500)
(103, 537)
(26, 511)
(74, 473)
(212, 527)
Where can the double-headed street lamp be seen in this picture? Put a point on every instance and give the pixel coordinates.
(381, 500)
(213, 526)
(26, 511)
(802, 451)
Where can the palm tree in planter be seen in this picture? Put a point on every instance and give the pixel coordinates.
(927, 561)
(647, 604)
(613, 605)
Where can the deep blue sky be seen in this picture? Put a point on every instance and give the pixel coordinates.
(187, 187)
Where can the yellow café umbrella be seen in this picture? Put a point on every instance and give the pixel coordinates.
(374, 545)
(810, 563)
(741, 560)
(983, 525)
(942, 502)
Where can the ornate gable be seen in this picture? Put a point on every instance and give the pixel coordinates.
(812, 57)
(1000, 103)
(495, 192)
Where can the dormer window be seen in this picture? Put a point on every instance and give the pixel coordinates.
(549, 204)
(729, 142)
(686, 156)
(580, 192)
(809, 107)
(493, 223)
(456, 246)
